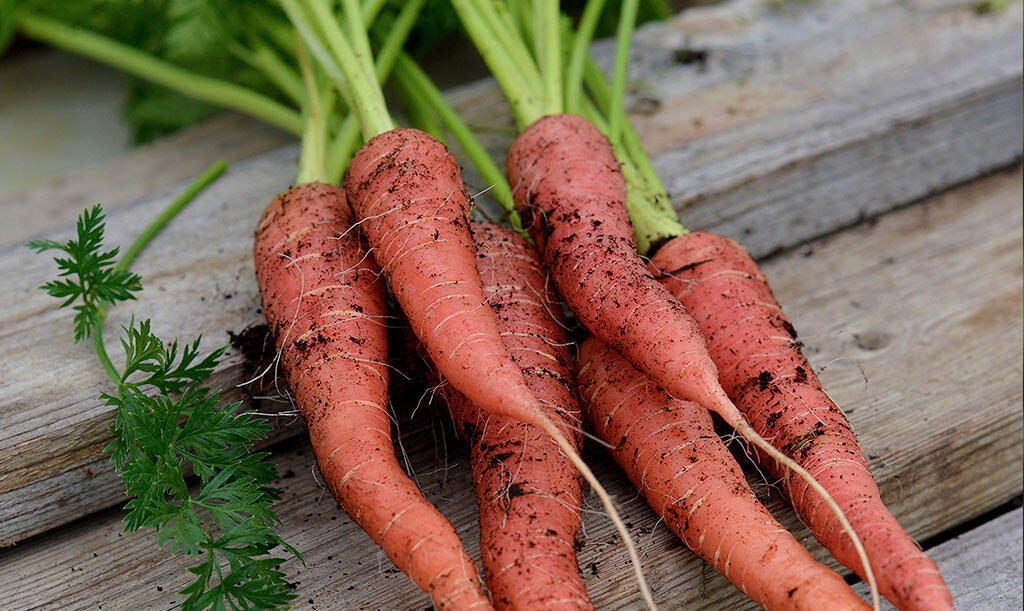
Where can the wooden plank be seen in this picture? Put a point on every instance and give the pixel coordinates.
(880, 307)
(798, 169)
(983, 566)
(800, 122)
(137, 175)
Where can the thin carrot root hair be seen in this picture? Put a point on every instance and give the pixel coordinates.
(669, 450)
(528, 318)
(606, 500)
(762, 369)
(748, 433)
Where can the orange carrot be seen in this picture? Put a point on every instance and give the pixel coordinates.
(567, 182)
(568, 186)
(762, 368)
(672, 454)
(407, 190)
(325, 305)
(528, 492)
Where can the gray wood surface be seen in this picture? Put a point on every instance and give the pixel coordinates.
(984, 566)
(832, 113)
(140, 174)
(913, 321)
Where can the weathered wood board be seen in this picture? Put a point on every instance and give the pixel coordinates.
(914, 321)
(138, 175)
(825, 129)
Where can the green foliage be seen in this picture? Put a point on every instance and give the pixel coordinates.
(981, 7)
(154, 111)
(649, 10)
(7, 23)
(87, 274)
(166, 419)
(199, 35)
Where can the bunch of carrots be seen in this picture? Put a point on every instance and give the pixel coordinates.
(683, 325)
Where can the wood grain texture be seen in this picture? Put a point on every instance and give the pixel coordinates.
(913, 320)
(137, 175)
(799, 123)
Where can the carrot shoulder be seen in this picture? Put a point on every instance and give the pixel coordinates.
(527, 490)
(324, 302)
(567, 183)
(407, 191)
(762, 368)
(670, 451)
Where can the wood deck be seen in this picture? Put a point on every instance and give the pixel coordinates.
(910, 308)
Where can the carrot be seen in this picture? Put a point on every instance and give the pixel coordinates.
(528, 492)
(407, 189)
(672, 454)
(567, 184)
(762, 368)
(325, 305)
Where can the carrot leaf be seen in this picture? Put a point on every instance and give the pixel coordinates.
(167, 420)
(87, 274)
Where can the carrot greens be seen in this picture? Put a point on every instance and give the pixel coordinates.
(167, 419)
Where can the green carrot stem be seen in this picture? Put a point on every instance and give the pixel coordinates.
(312, 158)
(580, 53)
(534, 40)
(370, 10)
(642, 161)
(342, 148)
(502, 30)
(397, 34)
(522, 15)
(135, 62)
(597, 83)
(184, 199)
(101, 350)
(526, 106)
(420, 114)
(408, 71)
(346, 139)
(367, 99)
(600, 89)
(550, 53)
(279, 33)
(354, 20)
(301, 21)
(263, 57)
(617, 112)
